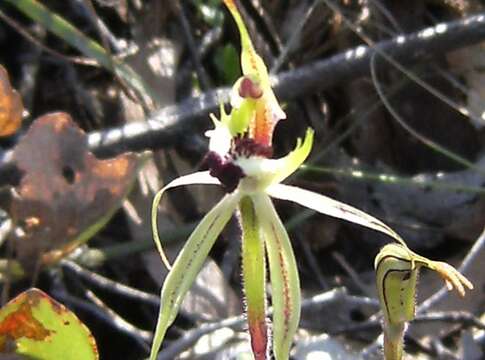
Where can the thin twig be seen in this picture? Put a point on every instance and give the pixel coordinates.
(142, 336)
(462, 317)
(351, 272)
(193, 50)
(425, 140)
(312, 262)
(99, 313)
(295, 36)
(110, 285)
(399, 65)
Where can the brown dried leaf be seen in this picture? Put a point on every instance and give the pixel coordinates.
(66, 194)
(11, 107)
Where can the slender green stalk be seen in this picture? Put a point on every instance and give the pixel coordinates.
(394, 341)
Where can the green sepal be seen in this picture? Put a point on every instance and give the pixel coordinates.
(285, 283)
(188, 264)
(254, 278)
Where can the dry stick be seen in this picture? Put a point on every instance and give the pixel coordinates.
(463, 318)
(439, 28)
(107, 37)
(422, 138)
(266, 19)
(143, 336)
(313, 264)
(110, 285)
(351, 272)
(99, 313)
(179, 8)
(295, 36)
(164, 126)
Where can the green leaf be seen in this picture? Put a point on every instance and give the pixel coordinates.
(285, 283)
(189, 263)
(35, 325)
(227, 62)
(71, 35)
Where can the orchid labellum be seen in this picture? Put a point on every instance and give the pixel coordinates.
(239, 160)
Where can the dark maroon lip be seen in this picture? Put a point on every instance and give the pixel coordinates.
(228, 173)
(223, 167)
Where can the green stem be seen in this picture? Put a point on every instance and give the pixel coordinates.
(393, 341)
(254, 271)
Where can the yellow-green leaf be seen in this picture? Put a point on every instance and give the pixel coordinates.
(35, 325)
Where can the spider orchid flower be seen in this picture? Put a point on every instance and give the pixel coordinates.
(239, 160)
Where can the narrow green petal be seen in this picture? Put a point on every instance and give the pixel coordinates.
(254, 276)
(291, 162)
(285, 283)
(188, 264)
(200, 178)
(330, 207)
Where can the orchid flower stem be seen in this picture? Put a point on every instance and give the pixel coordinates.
(394, 341)
(254, 276)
